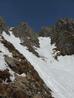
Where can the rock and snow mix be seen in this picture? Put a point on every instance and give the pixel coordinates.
(58, 75)
(3, 51)
(3, 65)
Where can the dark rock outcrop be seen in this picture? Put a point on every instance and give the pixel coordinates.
(3, 26)
(27, 36)
(63, 36)
(5, 76)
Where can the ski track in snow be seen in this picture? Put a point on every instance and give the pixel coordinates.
(58, 75)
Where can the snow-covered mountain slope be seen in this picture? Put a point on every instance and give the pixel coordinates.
(18, 78)
(57, 74)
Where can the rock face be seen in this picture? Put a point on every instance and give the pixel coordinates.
(63, 36)
(46, 31)
(3, 26)
(27, 36)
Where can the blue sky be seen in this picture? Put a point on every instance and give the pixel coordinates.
(37, 13)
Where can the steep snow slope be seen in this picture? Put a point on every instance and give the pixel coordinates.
(58, 75)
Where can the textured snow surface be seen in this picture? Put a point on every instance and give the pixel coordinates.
(58, 75)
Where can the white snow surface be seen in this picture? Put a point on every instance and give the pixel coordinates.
(58, 75)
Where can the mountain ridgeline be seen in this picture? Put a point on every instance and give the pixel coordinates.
(61, 34)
